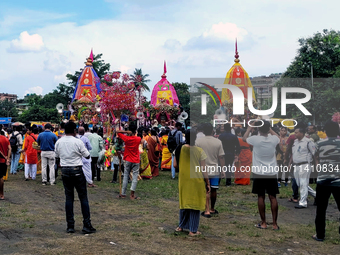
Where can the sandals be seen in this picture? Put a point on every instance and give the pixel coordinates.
(214, 213)
(195, 234)
(317, 239)
(178, 229)
(206, 215)
(137, 198)
(121, 196)
(259, 226)
(293, 200)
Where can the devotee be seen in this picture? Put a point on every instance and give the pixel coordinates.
(5, 160)
(153, 152)
(200, 131)
(328, 182)
(131, 157)
(87, 131)
(166, 155)
(263, 168)
(3, 130)
(311, 133)
(144, 169)
(287, 162)
(303, 151)
(176, 138)
(146, 134)
(16, 143)
(119, 147)
(281, 150)
(193, 185)
(47, 141)
(31, 155)
(61, 131)
(213, 148)
(97, 144)
(244, 160)
(231, 148)
(321, 133)
(70, 150)
(86, 162)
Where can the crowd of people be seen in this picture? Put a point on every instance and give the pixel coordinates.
(202, 156)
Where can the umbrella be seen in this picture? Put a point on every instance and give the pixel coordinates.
(18, 124)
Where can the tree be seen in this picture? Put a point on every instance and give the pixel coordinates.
(183, 94)
(8, 109)
(320, 54)
(196, 115)
(322, 51)
(40, 113)
(50, 100)
(139, 79)
(99, 66)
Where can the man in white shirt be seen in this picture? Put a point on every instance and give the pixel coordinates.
(264, 170)
(303, 151)
(70, 150)
(213, 148)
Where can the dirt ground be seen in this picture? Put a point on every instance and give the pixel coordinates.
(32, 221)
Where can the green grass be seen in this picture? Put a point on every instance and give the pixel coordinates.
(147, 226)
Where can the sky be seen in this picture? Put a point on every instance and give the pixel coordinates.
(42, 41)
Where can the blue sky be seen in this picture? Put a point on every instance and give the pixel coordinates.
(42, 41)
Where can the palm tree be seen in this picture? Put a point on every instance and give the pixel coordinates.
(139, 79)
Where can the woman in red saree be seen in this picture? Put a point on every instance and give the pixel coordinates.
(245, 158)
(153, 152)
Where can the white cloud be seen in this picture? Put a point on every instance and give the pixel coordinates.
(124, 69)
(26, 43)
(62, 77)
(221, 36)
(34, 90)
(172, 44)
(227, 31)
(195, 38)
(56, 62)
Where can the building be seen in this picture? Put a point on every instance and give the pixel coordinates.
(9, 97)
(263, 87)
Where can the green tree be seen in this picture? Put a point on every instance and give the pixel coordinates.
(40, 113)
(322, 50)
(50, 100)
(34, 99)
(196, 116)
(7, 109)
(183, 94)
(140, 79)
(319, 53)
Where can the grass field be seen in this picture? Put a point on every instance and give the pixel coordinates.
(32, 221)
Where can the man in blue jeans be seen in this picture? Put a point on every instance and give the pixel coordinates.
(131, 157)
(70, 150)
(179, 140)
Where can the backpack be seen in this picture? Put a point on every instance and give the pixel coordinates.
(172, 144)
(13, 141)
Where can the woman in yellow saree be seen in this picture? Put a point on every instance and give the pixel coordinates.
(166, 155)
(144, 168)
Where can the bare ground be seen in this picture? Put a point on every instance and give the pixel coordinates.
(32, 221)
